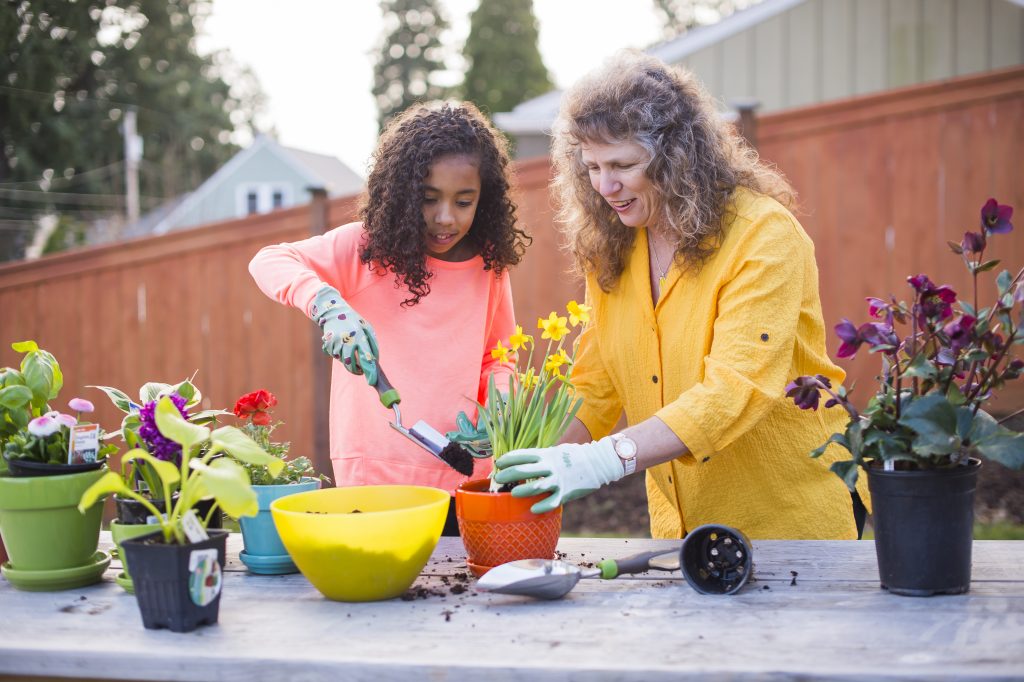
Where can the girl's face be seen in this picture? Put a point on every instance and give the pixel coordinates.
(451, 193)
(617, 173)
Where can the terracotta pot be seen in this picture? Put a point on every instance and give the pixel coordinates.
(497, 527)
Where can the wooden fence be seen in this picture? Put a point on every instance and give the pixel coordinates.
(884, 181)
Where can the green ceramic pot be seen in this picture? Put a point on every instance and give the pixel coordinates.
(41, 525)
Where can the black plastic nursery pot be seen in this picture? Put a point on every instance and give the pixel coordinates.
(924, 523)
(716, 559)
(133, 513)
(177, 586)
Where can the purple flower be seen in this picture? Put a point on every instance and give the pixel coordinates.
(44, 426)
(157, 445)
(872, 333)
(995, 217)
(81, 405)
(876, 306)
(973, 242)
(920, 282)
(959, 332)
(936, 302)
(805, 392)
(847, 332)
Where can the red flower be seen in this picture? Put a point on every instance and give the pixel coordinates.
(255, 406)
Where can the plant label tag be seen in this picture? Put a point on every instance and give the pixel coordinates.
(889, 465)
(194, 530)
(204, 576)
(84, 443)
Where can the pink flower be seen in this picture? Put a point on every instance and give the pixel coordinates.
(81, 405)
(42, 427)
(61, 418)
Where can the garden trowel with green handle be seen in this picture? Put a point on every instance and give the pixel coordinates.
(422, 433)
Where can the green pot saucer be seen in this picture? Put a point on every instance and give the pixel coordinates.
(59, 579)
(125, 581)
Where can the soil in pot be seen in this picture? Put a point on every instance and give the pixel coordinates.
(132, 512)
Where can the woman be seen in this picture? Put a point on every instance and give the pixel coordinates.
(705, 304)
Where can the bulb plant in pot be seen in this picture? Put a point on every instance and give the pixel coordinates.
(177, 570)
(264, 552)
(51, 546)
(539, 406)
(923, 433)
(139, 430)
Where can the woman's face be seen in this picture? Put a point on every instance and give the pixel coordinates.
(617, 173)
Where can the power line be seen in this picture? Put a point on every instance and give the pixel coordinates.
(65, 182)
(70, 197)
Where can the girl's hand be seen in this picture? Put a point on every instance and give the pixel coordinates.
(347, 336)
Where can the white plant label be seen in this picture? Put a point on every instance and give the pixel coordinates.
(84, 443)
(194, 530)
(204, 576)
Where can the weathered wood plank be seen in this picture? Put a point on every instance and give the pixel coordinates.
(835, 623)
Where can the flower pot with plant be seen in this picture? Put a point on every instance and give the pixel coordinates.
(541, 403)
(177, 569)
(923, 433)
(139, 430)
(264, 552)
(43, 472)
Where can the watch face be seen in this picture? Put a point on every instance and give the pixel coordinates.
(625, 447)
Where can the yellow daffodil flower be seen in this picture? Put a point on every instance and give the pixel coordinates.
(529, 380)
(554, 327)
(556, 360)
(500, 353)
(578, 313)
(519, 339)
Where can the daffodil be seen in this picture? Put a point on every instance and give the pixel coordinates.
(519, 339)
(578, 313)
(554, 327)
(529, 379)
(500, 353)
(556, 360)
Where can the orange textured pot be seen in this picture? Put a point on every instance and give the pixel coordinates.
(497, 527)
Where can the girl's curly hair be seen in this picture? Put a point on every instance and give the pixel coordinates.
(697, 161)
(392, 211)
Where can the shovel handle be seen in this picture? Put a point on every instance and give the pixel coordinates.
(638, 563)
(388, 394)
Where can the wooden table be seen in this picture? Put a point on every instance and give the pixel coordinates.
(831, 622)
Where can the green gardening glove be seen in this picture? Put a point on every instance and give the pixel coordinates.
(471, 437)
(568, 471)
(347, 336)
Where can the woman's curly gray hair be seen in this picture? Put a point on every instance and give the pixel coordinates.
(697, 161)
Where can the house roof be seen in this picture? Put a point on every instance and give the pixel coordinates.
(536, 115)
(318, 170)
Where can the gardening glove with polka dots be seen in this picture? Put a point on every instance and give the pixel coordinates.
(347, 336)
(568, 471)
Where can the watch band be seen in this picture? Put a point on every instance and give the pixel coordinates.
(626, 449)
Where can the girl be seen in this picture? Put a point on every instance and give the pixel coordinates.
(419, 286)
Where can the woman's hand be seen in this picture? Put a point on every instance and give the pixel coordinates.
(347, 336)
(567, 471)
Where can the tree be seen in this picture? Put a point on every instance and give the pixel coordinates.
(680, 16)
(411, 56)
(68, 73)
(505, 66)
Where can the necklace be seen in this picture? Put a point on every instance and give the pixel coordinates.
(663, 270)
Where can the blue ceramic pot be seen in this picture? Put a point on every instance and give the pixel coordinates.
(264, 552)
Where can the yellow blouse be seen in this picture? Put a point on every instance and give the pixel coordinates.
(711, 360)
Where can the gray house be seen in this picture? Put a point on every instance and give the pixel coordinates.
(263, 177)
(791, 53)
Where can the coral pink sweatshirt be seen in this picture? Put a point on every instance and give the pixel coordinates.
(436, 353)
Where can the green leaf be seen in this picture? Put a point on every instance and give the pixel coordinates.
(240, 446)
(934, 421)
(229, 484)
(847, 471)
(153, 390)
(38, 376)
(965, 424)
(110, 483)
(983, 267)
(1005, 447)
(15, 397)
(187, 390)
(172, 425)
(119, 398)
(167, 472)
(25, 346)
(1003, 281)
(834, 438)
(921, 368)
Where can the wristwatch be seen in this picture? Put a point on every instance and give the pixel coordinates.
(625, 448)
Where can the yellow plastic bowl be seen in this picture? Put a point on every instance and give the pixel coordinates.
(362, 543)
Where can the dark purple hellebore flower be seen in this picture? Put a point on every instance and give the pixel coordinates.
(995, 217)
(920, 283)
(878, 334)
(936, 302)
(973, 242)
(804, 392)
(876, 306)
(847, 332)
(959, 332)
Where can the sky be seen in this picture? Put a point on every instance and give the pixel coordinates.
(314, 58)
